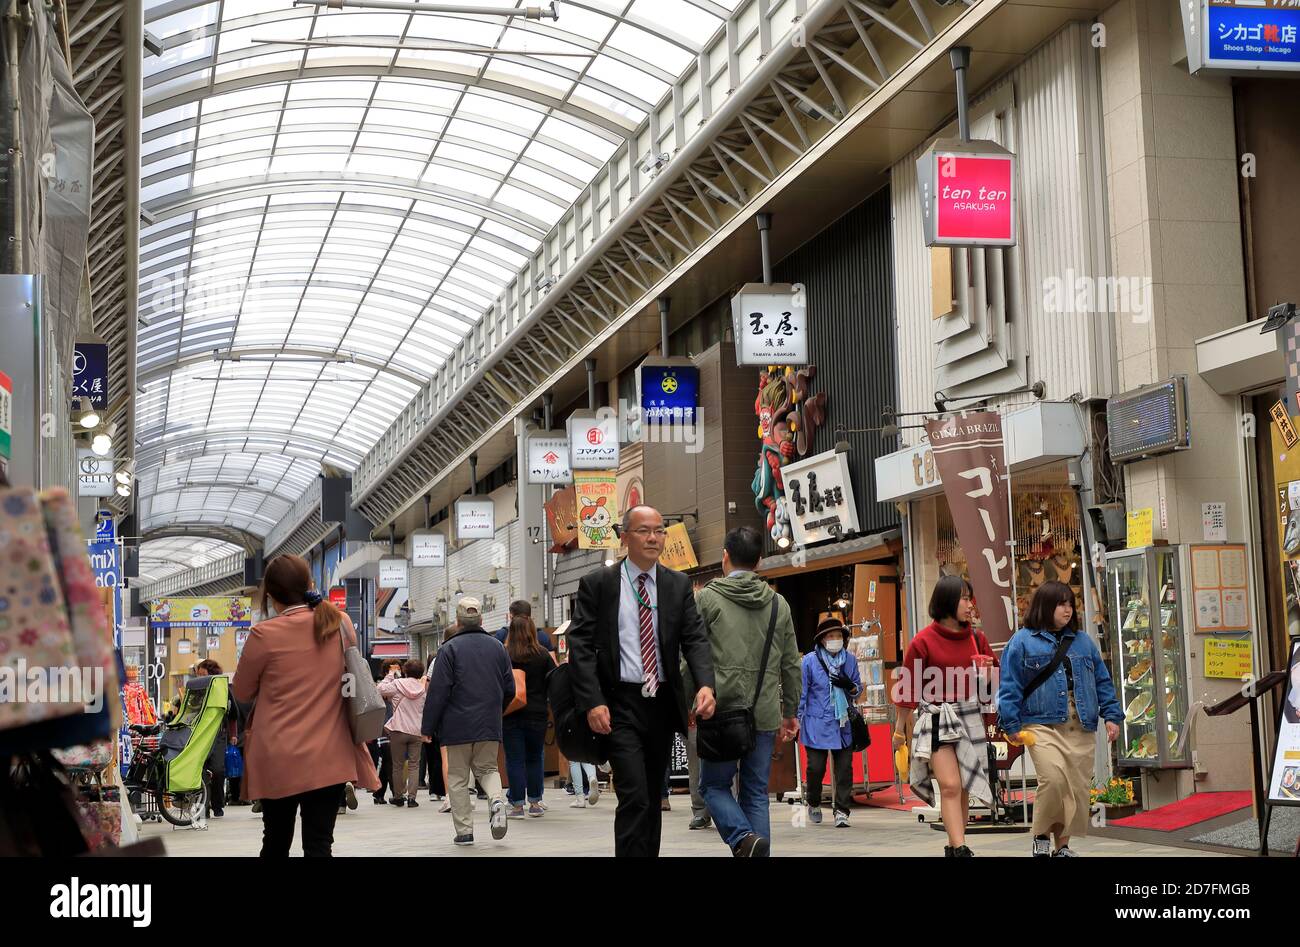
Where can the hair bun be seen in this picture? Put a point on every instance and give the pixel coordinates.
(313, 598)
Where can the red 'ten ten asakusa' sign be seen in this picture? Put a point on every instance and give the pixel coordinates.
(968, 193)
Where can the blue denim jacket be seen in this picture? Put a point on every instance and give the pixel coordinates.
(1026, 654)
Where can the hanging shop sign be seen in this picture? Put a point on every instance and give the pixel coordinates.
(769, 322)
(548, 458)
(231, 611)
(339, 597)
(393, 572)
(428, 549)
(593, 441)
(90, 372)
(1284, 426)
(971, 456)
(476, 519)
(968, 194)
(562, 518)
(106, 563)
(104, 525)
(819, 498)
(1242, 36)
(6, 416)
(669, 390)
(597, 493)
(678, 552)
(1285, 783)
(94, 474)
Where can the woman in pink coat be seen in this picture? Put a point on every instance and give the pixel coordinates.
(298, 752)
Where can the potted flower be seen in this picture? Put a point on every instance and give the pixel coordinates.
(1116, 798)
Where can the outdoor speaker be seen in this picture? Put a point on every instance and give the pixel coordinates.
(254, 568)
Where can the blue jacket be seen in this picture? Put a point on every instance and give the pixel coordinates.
(818, 727)
(1026, 654)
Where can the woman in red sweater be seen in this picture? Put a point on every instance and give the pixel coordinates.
(939, 680)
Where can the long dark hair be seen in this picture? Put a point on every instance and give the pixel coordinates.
(1042, 607)
(288, 581)
(521, 640)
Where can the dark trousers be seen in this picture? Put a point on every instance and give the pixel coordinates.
(320, 807)
(841, 777)
(384, 762)
(640, 744)
(216, 789)
(431, 767)
(525, 744)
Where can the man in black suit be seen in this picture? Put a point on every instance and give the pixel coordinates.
(631, 625)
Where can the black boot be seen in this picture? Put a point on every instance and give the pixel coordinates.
(962, 851)
(947, 851)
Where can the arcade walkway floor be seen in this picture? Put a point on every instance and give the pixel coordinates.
(387, 830)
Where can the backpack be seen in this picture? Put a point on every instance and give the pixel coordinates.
(572, 735)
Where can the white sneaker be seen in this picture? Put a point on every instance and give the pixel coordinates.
(593, 797)
(498, 821)
(579, 803)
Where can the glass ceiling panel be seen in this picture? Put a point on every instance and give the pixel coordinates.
(340, 206)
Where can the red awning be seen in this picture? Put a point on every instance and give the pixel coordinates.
(390, 649)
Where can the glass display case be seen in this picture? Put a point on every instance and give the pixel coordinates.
(1149, 655)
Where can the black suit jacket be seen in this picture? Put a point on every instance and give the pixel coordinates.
(594, 645)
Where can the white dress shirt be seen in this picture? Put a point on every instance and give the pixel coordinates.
(630, 670)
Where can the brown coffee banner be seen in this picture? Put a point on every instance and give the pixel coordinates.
(562, 518)
(970, 454)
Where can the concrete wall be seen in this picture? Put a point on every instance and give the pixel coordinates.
(1172, 187)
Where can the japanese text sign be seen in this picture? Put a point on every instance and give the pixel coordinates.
(593, 441)
(90, 373)
(475, 519)
(428, 549)
(770, 324)
(819, 498)
(548, 458)
(968, 194)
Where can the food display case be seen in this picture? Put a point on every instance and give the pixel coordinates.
(1149, 655)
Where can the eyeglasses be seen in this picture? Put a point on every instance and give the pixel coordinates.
(645, 532)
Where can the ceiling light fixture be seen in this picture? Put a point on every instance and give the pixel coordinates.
(102, 444)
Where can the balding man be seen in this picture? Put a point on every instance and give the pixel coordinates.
(632, 624)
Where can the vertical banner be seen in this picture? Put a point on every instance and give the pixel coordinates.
(597, 492)
(970, 454)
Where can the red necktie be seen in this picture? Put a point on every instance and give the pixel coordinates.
(649, 664)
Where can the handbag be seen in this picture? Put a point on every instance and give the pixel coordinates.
(361, 699)
(234, 762)
(860, 733)
(732, 734)
(573, 736)
(520, 700)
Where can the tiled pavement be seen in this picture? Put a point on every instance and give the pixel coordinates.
(387, 830)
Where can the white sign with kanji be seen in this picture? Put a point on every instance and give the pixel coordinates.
(548, 459)
(819, 498)
(393, 573)
(593, 442)
(475, 519)
(428, 549)
(770, 324)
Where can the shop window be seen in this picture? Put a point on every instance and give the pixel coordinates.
(1048, 541)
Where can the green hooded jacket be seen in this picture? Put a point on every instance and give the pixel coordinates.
(736, 612)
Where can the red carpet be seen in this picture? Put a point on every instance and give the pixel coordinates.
(1189, 811)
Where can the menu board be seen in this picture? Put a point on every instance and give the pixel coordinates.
(1228, 658)
(1284, 786)
(1220, 598)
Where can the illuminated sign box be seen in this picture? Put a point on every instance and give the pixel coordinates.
(968, 194)
(1242, 36)
(669, 390)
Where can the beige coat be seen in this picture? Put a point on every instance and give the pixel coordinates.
(298, 738)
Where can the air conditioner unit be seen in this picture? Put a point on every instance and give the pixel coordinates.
(1149, 421)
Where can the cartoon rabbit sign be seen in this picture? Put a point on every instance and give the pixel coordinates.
(597, 493)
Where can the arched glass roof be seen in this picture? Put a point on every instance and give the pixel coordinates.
(334, 197)
(160, 558)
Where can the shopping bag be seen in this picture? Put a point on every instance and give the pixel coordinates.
(35, 637)
(234, 763)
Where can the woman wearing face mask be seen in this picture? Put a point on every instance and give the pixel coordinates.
(299, 753)
(937, 682)
(830, 682)
(1055, 687)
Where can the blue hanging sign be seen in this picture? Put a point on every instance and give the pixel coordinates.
(90, 372)
(106, 561)
(670, 394)
(104, 525)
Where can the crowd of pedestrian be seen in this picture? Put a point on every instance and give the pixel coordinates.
(650, 658)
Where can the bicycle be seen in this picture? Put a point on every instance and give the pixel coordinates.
(146, 788)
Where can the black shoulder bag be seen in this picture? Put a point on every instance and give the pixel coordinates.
(861, 732)
(1045, 674)
(729, 735)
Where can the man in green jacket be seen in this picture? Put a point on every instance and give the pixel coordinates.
(737, 611)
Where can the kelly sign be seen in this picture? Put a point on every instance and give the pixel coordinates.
(968, 194)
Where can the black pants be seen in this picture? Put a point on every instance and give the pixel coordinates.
(383, 760)
(640, 744)
(841, 777)
(320, 807)
(216, 790)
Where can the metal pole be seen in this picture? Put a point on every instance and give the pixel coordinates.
(959, 56)
(473, 474)
(530, 13)
(428, 514)
(591, 383)
(664, 302)
(764, 225)
(14, 254)
(548, 410)
(392, 538)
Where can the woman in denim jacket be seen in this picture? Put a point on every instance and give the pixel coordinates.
(1058, 720)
